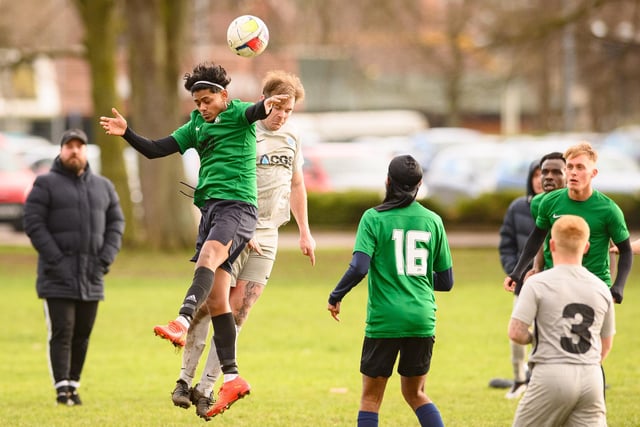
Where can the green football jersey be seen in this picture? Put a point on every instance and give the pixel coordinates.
(406, 246)
(227, 150)
(604, 217)
(535, 205)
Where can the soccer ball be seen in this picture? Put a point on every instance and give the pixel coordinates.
(247, 36)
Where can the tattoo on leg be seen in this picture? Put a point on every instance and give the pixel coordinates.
(249, 298)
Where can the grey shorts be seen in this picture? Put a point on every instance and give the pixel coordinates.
(563, 394)
(226, 221)
(253, 267)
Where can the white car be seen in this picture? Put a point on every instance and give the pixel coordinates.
(344, 166)
(465, 171)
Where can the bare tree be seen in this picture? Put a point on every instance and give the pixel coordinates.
(99, 20)
(155, 29)
(605, 47)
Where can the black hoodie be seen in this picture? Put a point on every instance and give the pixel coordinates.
(517, 225)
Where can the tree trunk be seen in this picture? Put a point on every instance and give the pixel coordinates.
(100, 42)
(155, 31)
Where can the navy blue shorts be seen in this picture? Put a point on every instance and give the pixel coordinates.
(226, 221)
(380, 354)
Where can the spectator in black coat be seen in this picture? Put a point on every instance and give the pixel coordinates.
(518, 222)
(75, 223)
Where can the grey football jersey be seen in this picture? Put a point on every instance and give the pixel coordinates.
(278, 154)
(572, 309)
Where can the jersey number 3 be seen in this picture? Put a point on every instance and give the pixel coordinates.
(579, 329)
(411, 260)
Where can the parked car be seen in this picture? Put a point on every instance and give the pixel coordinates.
(427, 143)
(336, 126)
(343, 166)
(465, 171)
(16, 180)
(617, 173)
(469, 170)
(34, 151)
(625, 139)
(38, 153)
(512, 174)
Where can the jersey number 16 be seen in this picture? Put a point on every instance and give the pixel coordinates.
(411, 260)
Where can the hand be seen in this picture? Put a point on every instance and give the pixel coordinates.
(308, 247)
(255, 246)
(274, 100)
(616, 294)
(114, 125)
(335, 310)
(509, 284)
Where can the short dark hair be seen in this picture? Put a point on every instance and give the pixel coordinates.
(555, 155)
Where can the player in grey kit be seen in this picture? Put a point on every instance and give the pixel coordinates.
(574, 320)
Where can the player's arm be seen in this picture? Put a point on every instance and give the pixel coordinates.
(443, 280)
(149, 148)
(607, 344)
(261, 109)
(117, 125)
(534, 241)
(625, 259)
(358, 268)
(256, 112)
(538, 264)
(519, 332)
(299, 211)
(635, 247)
(538, 261)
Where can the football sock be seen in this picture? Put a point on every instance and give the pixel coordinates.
(224, 336)
(199, 290)
(429, 416)
(367, 419)
(184, 320)
(230, 377)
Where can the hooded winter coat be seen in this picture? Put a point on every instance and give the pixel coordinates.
(517, 225)
(76, 224)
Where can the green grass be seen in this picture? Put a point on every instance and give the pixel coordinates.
(302, 365)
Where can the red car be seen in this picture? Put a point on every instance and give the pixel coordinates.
(16, 181)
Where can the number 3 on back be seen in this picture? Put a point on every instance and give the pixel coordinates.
(580, 329)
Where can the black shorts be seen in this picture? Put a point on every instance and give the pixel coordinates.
(380, 354)
(226, 221)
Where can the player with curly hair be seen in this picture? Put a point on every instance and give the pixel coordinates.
(222, 131)
(281, 190)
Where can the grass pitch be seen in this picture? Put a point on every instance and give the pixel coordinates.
(302, 365)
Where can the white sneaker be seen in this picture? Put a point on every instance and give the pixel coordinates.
(517, 390)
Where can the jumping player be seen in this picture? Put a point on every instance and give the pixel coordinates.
(280, 190)
(222, 131)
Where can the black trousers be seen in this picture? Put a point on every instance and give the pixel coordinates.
(69, 324)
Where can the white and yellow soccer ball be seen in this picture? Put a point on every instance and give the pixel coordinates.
(248, 36)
